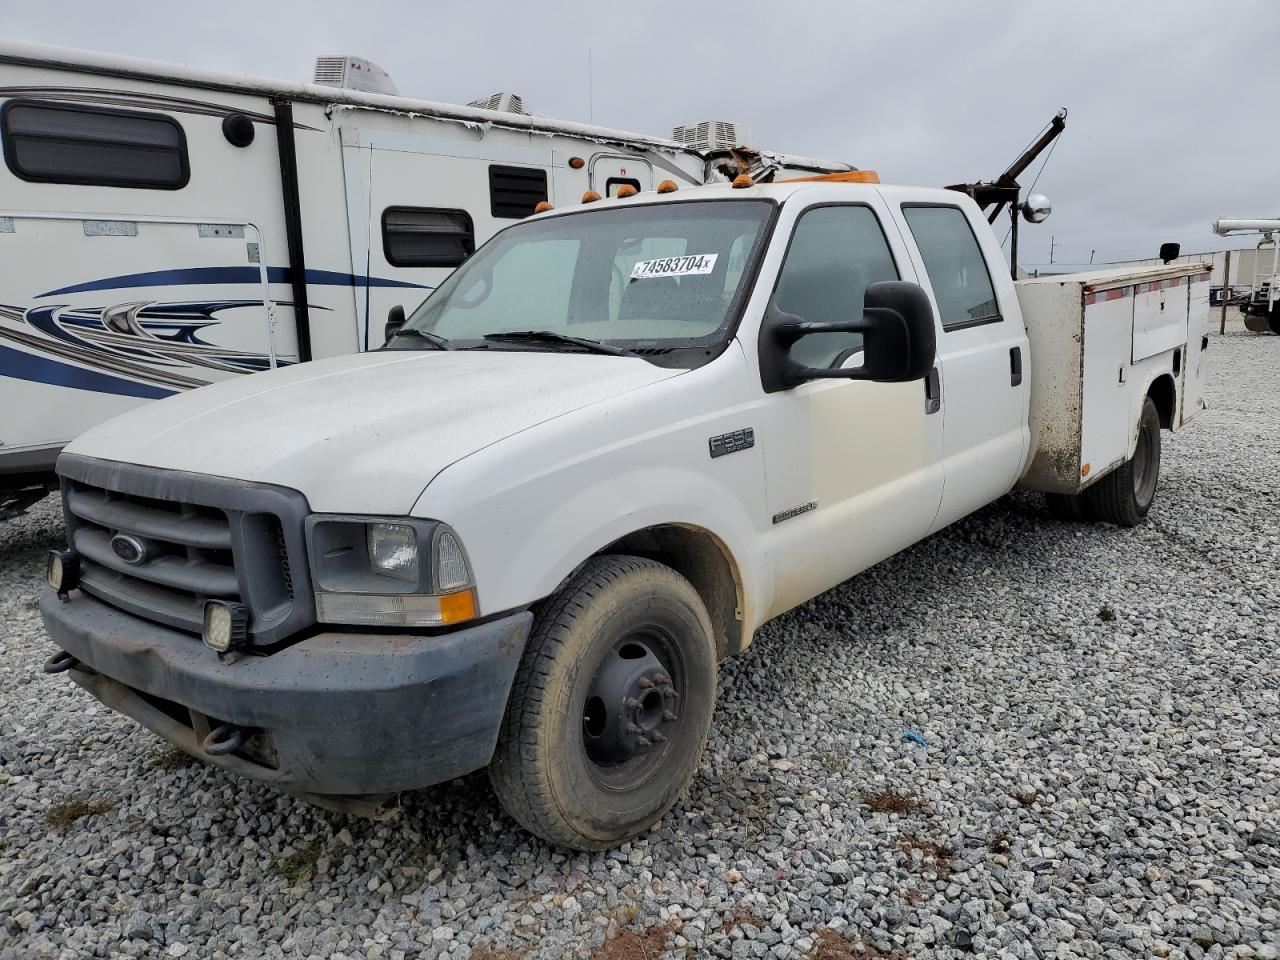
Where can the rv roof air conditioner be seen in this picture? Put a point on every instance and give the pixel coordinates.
(712, 135)
(354, 73)
(505, 101)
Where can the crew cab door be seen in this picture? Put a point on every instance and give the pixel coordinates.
(853, 470)
(983, 361)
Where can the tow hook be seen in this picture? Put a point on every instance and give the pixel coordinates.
(223, 739)
(60, 662)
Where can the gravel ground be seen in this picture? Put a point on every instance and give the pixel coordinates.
(1102, 775)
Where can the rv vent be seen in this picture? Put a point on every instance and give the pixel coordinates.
(712, 135)
(506, 102)
(354, 73)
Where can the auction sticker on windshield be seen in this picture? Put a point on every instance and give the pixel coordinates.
(675, 266)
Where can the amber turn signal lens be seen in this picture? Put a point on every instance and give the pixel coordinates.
(542, 207)
(458, 607)
(667, 186)
(626, 190)
(742, 180)
(590, 197)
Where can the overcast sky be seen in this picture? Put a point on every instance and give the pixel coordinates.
(1173, 104)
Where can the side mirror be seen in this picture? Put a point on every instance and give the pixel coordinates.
(395, 320)
(1170, 251)
(898, 340)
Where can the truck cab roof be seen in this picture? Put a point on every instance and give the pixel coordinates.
(778, 192)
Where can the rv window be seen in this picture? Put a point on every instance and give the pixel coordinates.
(424, 237)
(61, 143)
(515, 191)
(613, 184)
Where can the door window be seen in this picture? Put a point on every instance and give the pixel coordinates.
(614, 184)
(957, 270)
(835, 253)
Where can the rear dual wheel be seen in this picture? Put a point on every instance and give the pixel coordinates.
(1124, 496)
(611, 706)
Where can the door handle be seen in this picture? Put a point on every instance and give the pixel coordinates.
(932, 392)
(1015, 366)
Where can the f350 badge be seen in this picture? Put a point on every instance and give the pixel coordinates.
(728, 443)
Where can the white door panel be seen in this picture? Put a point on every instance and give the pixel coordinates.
(853, 469)
(860, 460)
(981, 341)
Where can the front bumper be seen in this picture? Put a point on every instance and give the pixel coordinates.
(344, 714)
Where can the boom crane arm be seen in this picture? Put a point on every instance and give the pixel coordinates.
(1005, 188)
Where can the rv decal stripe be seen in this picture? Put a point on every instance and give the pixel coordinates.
(198, 275)
(26, 366)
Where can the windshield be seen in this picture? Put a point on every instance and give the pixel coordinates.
(663, 275)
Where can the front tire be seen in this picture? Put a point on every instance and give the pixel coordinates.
(611, 706)
(1124, 496)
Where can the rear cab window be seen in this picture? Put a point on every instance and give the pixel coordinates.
(66, 143)
(956, 267)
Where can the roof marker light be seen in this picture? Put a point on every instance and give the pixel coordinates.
(667, 186)
(590, 197)
(741, 181)
(577, 163)
(542, 207)
(626, 190)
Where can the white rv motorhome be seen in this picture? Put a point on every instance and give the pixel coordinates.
(163, 227)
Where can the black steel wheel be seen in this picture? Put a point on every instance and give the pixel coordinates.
(1124, 496)
(611, 705)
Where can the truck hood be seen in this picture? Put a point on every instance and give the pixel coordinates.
(363, 433)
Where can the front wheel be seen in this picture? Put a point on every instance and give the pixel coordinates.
(1124, 496)
(611, 706)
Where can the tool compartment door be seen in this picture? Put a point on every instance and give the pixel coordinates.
(1159, 316)
(1196, 364)
(1105, 404)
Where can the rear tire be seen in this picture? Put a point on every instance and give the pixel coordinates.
(611, 706)
(1124, 496)
(1070, 508)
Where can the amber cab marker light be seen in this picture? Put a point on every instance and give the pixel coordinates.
(627, 190)
(590, 197)
(741, 181)
(1084, 471)
(542, 207)
(667, 186)
(577, 163)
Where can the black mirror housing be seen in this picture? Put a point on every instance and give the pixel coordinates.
(395, 320)
(898, 340)
(1170, 251)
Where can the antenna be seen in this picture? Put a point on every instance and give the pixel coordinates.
(1052, 243)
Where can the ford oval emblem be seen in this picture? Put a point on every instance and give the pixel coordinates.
(129, 549)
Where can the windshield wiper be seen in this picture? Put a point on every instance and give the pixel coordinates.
(550, 336)
(432, 338)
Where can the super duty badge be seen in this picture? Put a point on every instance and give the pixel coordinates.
(732, 442)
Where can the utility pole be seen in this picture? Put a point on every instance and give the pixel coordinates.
(1091, 253)
(1052, 244)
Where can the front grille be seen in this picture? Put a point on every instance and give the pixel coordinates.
(202, 538)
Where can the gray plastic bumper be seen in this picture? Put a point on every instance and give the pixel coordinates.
(336, 714)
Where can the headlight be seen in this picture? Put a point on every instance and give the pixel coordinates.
(405, 572)
(393, 550)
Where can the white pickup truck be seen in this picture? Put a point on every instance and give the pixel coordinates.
(614, 443)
